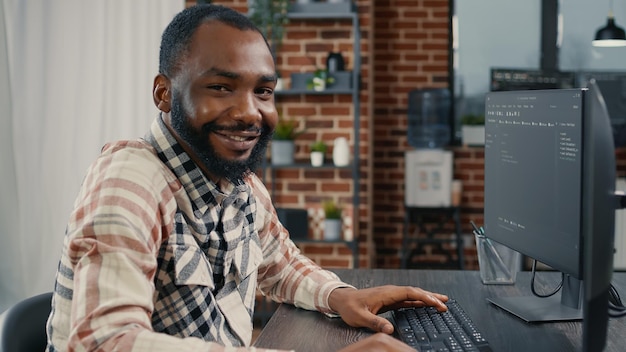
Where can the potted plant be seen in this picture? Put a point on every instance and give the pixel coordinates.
(332, 220)
(320, 80)
(283, 147)
(270, 16)
(318, 151)
(473, 129)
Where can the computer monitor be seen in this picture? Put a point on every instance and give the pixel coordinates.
(550, 194)
(612, 84)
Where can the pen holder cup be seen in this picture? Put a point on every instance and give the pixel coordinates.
(498, 263)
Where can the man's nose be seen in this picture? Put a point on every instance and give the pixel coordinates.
(246, 109)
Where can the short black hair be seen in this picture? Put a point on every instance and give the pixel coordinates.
(176, 37)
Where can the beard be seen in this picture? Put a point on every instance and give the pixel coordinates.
(198, 140)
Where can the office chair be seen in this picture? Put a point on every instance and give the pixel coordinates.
(23, 326)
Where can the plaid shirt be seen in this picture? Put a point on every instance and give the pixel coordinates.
(159, 258)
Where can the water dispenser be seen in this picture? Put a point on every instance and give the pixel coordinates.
(429, 118)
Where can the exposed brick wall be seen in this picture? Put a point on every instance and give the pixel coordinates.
(410, 52)
(326, 117)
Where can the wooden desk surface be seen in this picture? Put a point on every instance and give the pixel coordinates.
(293, 328)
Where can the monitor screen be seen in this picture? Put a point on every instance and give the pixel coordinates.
(550, 195)
(533, 174)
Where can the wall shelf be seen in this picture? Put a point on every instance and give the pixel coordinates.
(309, 166)
(354, 91)
(327, 91)
(322, 11)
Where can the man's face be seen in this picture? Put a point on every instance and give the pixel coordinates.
(222, 101)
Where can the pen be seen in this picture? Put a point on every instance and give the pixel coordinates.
(476, 229)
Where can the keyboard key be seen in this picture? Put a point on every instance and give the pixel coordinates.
(426, 329)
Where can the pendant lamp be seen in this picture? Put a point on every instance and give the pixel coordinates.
(610, 35)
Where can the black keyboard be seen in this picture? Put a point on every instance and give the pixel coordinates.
(426, 329)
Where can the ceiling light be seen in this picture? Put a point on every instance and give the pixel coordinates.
(610, 35)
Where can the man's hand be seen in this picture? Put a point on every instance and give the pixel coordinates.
(358, 308)
(378, 343)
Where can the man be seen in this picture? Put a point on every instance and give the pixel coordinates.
(172, 234)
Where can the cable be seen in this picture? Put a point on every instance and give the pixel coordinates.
(616, 312)
(532, 283)
(615, 298)
(616, 307)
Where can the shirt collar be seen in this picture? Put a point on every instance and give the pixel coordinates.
(201, 190)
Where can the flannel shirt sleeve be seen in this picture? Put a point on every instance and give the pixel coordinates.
(104, 294)
(286, 275)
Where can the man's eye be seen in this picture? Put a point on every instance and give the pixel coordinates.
(265, 91)
(218, 87)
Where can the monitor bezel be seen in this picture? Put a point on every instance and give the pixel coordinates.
(598, 220)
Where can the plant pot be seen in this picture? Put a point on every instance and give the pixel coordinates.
(319, 80)
(473, 135)
(332, 229)
(282, 152)
(317, 158)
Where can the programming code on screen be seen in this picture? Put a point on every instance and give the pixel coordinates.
(533, 167)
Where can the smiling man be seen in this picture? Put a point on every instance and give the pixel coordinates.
(222, 115)
(172, 234)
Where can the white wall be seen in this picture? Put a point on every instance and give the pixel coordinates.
(80, 74)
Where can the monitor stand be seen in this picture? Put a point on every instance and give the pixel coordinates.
(532, 309)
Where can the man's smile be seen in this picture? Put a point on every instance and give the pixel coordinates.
(238, 140)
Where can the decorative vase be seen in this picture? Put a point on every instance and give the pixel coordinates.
(332, 229)
(341, 152)
(317, 158)
(282, 152)
(334, 62)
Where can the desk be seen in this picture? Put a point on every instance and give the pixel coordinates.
(293, 328)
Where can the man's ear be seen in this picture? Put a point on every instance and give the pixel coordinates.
(161, 93)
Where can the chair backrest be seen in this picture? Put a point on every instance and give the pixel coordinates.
(23, 326)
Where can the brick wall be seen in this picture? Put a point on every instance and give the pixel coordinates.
(410, 52)
(326, 117)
